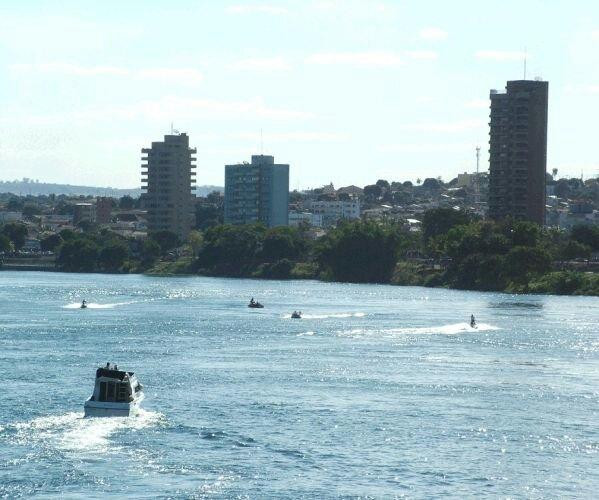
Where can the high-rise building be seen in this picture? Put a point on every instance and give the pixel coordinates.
(518, 151)
(103, 209)
(168, 180)
(257, 192)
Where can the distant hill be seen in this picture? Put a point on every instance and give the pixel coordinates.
(30, 187)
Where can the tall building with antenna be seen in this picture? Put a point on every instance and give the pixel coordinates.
(518, 151)
(168, 179)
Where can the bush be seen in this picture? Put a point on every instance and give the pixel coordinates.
(407, 273)
(304, 271)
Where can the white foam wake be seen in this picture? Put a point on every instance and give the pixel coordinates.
(72, 431)
(452, 329)
(332, 315)
(93, 305)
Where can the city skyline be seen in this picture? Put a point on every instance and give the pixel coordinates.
(365, 90)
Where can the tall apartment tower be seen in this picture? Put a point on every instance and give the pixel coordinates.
(518, 151)
(257, 192)
(168, 180)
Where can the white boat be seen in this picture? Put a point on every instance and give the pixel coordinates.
(116, 394)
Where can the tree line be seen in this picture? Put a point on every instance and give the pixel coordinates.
(453, 249)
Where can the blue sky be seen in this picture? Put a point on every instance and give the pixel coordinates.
(344, 91)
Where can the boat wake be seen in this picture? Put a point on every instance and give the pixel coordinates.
(333, 315)
(93, 305)
(452, 329)
(73, 432)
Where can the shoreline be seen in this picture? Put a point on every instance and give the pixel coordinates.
(47, 269)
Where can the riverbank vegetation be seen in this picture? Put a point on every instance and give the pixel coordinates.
(452, 250)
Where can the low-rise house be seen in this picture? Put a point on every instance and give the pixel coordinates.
(334, 211)
(6, 217)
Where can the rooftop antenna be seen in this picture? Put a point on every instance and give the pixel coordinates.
(261, 143)
(525, 56)
(476, 185)
(172, 129)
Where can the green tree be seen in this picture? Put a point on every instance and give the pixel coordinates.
(5, 243)
(231, 250)
(574, 250)
(195, 242)
(521, 261)
(586, 234)
(31, 210)
(14, 205)
(16, 232)
(166, 239)
(360, 252)
(113, 255)
(126, 202)
(50, 243)
(281, 243)
(439, 221)
(150, 252)
(79, 254)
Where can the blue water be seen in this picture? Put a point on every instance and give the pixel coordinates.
(378, 391)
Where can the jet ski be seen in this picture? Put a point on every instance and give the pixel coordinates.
(83, 305)
(255, 305)
(296, 315)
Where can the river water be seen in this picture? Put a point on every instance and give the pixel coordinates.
(378, 391)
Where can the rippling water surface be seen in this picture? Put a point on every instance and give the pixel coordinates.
(378, 391)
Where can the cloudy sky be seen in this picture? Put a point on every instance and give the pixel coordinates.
(344, 91)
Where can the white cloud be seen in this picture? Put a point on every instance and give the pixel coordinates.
(425, 148)
(70, 69)
(381, 58)
(428, 55)
(261, 64)
(176, 75)
(183, 75)
(170, 108)
(478, 104)
(500, 55)
(456, 126)
(295, 137)
(433, 34)
(255, 9)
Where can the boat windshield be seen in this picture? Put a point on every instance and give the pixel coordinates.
(118, 392)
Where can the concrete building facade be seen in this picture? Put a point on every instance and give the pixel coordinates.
(257, 192)
(84, 212)
(518, 151)
(333, 211)
(103, 209)
(168, 179)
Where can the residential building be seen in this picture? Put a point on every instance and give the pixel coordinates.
(333, 211)
(84, 212)
(257, 192)
(168, 179)
(103, 209)
(518, 151)
(6, 217)
(297, 218)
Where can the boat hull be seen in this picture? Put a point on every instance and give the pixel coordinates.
(107, 409)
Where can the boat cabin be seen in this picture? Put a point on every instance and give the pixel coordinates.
(115, 386)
